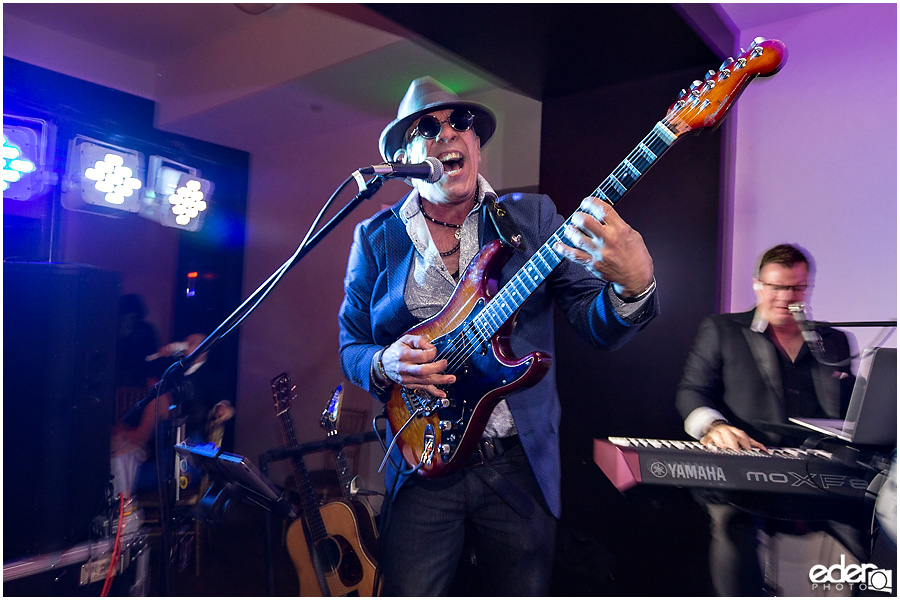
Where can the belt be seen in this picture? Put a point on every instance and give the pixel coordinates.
(491, 448)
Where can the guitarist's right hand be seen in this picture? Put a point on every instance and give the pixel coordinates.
(408, 361)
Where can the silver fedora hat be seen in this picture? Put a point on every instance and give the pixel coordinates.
(426, 95)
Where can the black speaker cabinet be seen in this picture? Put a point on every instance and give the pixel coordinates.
(59, 346)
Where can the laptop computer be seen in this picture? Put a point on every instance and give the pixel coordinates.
(872, 414)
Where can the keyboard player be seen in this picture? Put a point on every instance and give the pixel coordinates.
(749, 369)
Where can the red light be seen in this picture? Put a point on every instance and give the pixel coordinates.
(192, 275)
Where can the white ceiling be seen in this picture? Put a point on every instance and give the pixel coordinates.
(219, 74)
(245, 68)
(154, 32)
(747, 15)
(149, 32)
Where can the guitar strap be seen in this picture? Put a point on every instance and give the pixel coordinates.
(506, 228)
(509, 492)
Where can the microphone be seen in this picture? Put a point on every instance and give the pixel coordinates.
(431, 170)
(177, 350)
(810, 335)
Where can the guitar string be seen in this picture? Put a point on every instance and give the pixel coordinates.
(480, 329)
(314, 518)
(456, 357)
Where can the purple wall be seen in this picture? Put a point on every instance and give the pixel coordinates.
(816, 163)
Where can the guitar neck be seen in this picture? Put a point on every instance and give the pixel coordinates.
(301, 477)
(345, 477)
(512, 295)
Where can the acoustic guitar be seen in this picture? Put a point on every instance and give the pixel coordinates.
(324, 543)
(436, 436)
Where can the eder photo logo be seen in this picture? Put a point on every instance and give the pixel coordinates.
(860, 577)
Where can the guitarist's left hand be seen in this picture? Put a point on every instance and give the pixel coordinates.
(608, 247)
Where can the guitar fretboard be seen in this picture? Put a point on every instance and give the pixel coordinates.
(512, 295)
(282, 391)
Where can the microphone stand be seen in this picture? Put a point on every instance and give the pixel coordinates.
(177, 369)
(819, 353)
(853, 323)
(249, 305)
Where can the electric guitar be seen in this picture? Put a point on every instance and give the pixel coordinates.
(436, 436)
(329, 421)
(324, 542)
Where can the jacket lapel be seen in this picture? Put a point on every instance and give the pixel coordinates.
(767, 362)
(399, 252)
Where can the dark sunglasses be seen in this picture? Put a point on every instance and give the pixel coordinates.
(429, 126)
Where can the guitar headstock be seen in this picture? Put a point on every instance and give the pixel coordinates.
(706, 102)
(283, 392)
(332, 414)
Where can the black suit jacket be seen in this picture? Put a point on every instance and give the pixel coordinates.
(735, 370)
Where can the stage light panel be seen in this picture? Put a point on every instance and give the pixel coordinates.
(176, 195)
(23, 154)
(102, 178)
(188, 202)
(15, 164)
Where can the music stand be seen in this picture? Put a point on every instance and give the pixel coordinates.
(233, 476)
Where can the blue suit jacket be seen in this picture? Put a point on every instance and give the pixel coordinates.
(374, 314)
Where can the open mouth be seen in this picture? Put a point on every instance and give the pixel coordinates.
(453, 162)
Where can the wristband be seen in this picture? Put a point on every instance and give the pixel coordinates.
(380, 366)
(650, 289)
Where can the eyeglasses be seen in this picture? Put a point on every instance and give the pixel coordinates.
(785, 288)
(429, 126)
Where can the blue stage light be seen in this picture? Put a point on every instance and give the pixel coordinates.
(24, 154)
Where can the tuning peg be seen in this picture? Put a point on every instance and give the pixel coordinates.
(723, 68)
(755, 48)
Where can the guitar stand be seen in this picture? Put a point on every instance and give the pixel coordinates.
(279, 454)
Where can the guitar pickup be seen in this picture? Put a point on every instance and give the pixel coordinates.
(428, 452)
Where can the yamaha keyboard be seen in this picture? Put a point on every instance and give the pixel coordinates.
(628, 462)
